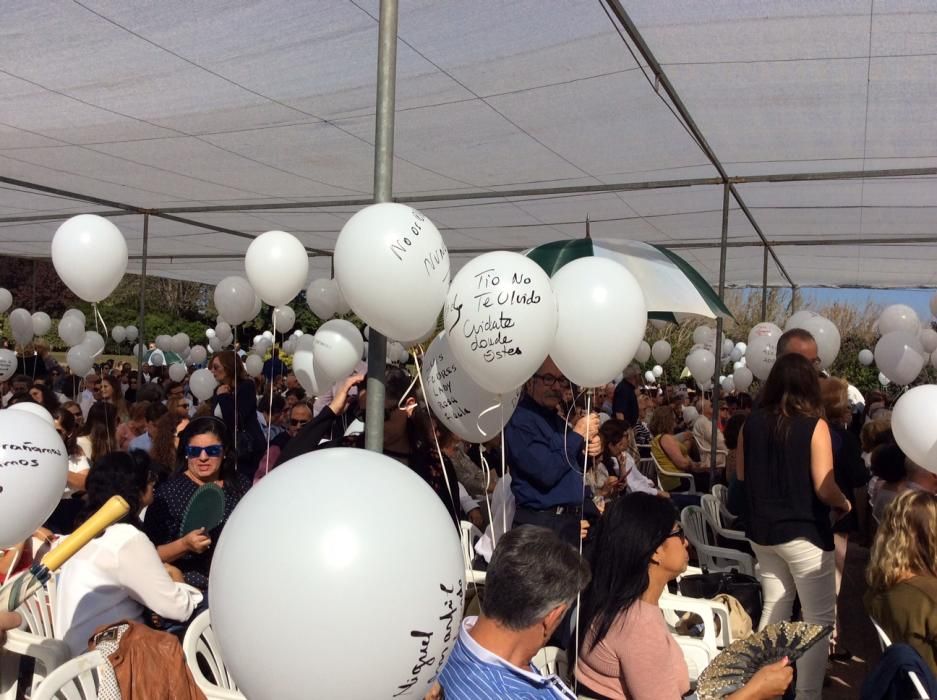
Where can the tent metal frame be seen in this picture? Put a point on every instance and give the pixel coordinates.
(383, 192)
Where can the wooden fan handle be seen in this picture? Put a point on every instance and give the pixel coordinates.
(112, 511)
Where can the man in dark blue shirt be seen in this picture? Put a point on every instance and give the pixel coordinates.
(546, 458)
(625, 401)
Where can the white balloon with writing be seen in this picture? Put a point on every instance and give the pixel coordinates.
(501, 319)
(33, 470)
(464, 407)
(392, 268)
(761, 354)
(337, 347)
(914, 423)
(766, 330)
(86, 240)
(590, 291)
(7, 364)
(276, 264)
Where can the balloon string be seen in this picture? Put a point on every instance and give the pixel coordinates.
(272, 363)
(504, 467)
(582, 506)
(569, 414)
(486, 473)
(236, 363)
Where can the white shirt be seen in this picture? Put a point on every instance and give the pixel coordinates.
(111, 579)
(634, 479)
(467, 503)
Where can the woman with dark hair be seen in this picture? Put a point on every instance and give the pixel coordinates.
(62, 520)
(119, 572)
(889, 465)
(206, 453)
(626, 651)
(616, 441)
(45, 397)
(113, 393)
(165, 448)
(235, 403)
(786, 462)
(98, 436)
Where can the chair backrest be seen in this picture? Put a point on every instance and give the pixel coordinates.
(710, 506)
(693, 519)
(77, 679)
(201, 651)
(37, 610)
(721, 492)
(551, 661)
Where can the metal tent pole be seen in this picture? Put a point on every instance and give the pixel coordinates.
(717, 350)
(383, 192)
(764, 288)
(141, 321)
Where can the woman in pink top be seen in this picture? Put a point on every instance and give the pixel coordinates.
(626, 651)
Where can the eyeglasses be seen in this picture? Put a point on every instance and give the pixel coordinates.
(194, 452)
(550, 379)
(677, 533)
(297, 422)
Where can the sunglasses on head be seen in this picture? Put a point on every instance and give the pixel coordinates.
(296, 422)
(194, 452)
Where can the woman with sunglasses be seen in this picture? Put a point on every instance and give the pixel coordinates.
(206, 457)
(115, 575)
(626, 651)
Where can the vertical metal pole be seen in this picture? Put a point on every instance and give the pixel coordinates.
(383, 192)
(764, 288)
(141, 321)
(34, 309)
(718, 349)
(793, 298)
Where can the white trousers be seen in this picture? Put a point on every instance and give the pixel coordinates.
(801, 568)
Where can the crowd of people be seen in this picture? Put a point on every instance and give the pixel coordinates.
(605, 475)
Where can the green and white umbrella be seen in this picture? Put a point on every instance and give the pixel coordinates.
(672, 289)
(169, 358)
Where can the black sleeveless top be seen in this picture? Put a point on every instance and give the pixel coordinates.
(782, 504)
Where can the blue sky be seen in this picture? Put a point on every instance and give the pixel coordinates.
(917, 299)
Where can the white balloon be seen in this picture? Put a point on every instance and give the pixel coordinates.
(649, 377)
(84, 239)
(7, 364)
(738, 352)
(798, 319)
(132, 334)
(135, 351)
(283, 319)
(277, 265)
(6, 300)
(305, 371)
(322, 296)
(298, 333)
(71, 330)
(501, 319)
(164, 342)
(742, 378)
(827, 336)
(589, 291)
(118, 333)
(21, 325)
(728, 345)
(77, 313)
(761, 355)
(254, 365)
(883, 380)
(215, 344)
(418, 601)
(900, 356)
(268, 335)
(35, 467)
(341, 304)
(35, 409)
(866, 358)
(179, 342)
(223, 332)
(659, 324)
(94, 341)
(661, 351)
(933, 359)
(657, 371)
(80, 359)
(157, 358)
(202, 384)
(337, 346)
(392, 268)
(177, 371)
(914, 424)
(765, 330)
(643, 353)
(393, 352)
(197, 355)
(703, 335)
(234, 299)
(458, 401)
(737, 365)
(728, 384)
(899, 317)
(928, 339)
(289, 346)
(255, 309)
(702, 365)
(42, 324)
(366, 332)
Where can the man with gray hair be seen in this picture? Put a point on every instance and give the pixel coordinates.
(703, 434)
(531, 582)
(625, 401)
(800, 342)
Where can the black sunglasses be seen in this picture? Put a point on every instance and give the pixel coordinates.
(194, 452)
(296, 422)
(677, 533)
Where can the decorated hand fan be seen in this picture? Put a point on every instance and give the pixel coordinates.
(205, 509)
(742, 659)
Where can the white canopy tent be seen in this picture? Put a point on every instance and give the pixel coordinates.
(240, 117)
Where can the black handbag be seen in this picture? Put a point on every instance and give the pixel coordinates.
(746, 589)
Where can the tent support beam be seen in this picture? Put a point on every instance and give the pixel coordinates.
(141, 321)
(717, 350)
(383, 192)
(764, 287)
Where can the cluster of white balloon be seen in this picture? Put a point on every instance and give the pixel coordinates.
(905, 345)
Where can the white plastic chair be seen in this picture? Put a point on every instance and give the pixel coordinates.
(705, 455)
(551, 661)
(712, 558)
(38, 610)
(673, 606)
(49, 653)
(200, 647)
(721, 492)
(77, 679)
(886, 642)
(691, 482)
(469, 534)
(713, 515)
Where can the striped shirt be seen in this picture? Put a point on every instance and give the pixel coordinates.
(474, 673)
